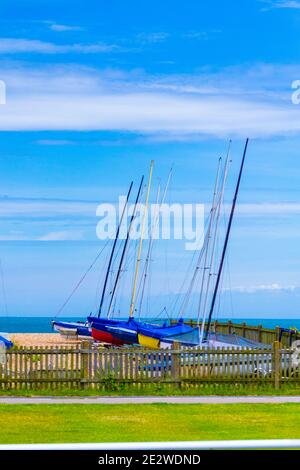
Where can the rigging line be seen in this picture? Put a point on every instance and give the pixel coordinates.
(113, 251)
(194, 277)
(98, 285)
(132, 303)
(196, 270)
(130, 255)
(81, 279)
(125, 245)
(230, 288)
(114, 288)
(153, 231)
(174, 303)
(145, 269)
(226, 239)
(121, 285)
(211, 221)
(3, 289)
(227, 262)
(215, 239)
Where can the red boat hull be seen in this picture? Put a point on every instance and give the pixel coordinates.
(105, 337)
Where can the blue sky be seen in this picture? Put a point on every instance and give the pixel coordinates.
(95, 90)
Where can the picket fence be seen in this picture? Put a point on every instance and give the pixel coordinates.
(85, 366)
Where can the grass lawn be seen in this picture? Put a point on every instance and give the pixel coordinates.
(164, 390)
(154, 422)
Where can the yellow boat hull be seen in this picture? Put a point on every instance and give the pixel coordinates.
(148, 342)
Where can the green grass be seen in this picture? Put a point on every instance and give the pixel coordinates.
(154, 422)
(164, 390)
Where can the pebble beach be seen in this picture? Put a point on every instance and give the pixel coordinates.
(41, 339)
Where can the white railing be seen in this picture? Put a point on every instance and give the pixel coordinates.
(179, 445)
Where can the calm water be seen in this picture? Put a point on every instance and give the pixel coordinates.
(43, 324)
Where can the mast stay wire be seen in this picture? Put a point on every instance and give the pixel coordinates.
(81, 279)
(3, 289)
(152, 235)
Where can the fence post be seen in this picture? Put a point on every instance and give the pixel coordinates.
(244, 326)
(84, 355)
(277, 364)
(259, 333)
(175, 361)
(229, 323)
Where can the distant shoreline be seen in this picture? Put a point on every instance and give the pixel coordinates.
(41, 325)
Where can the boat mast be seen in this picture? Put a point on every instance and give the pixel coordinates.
(226, 241)
(203, 251)
(210, 225)
(153, 230)
(141, 243)
(213, 249)
(145, 273)
(125, 246)
(113, 251)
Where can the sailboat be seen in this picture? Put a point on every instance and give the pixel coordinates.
(83, 329)
(78, 329)
(128, 332)
(100, 326)
(150, 335)
(5, 342)
(201, 335)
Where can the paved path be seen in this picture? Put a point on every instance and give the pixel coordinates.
(146, 400)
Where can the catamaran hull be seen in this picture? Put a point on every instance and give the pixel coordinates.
(106, 337)
(78, 330)
(127, 335)
(145, 334)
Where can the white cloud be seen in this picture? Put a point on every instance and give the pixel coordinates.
(63, 27)
(149, 113)
(52, 208)
(61, 236)
(232, 103)
(268, 209)
(201, 35)
(67, 235)
(37, 208)
(15, 46)
(282, 4)
(54, 142)
(275, 287)
(154, 37)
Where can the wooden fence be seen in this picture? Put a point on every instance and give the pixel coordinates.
(86, 366)
(256, 333)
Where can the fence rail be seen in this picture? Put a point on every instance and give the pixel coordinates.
(85, 366)
(256, 333)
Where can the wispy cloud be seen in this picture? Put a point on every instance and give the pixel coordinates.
(54, 142)
(201, 35)
(61, 28)
(50, 208)
(282, 4)
(236, 102)
(53, 208)
(275, 287)
(153, 37)
(66, 235)
(15, 46)
(61, 236)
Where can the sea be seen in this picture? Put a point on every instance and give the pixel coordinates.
(12, 324)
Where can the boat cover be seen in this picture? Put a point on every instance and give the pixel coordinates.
(5, 342)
